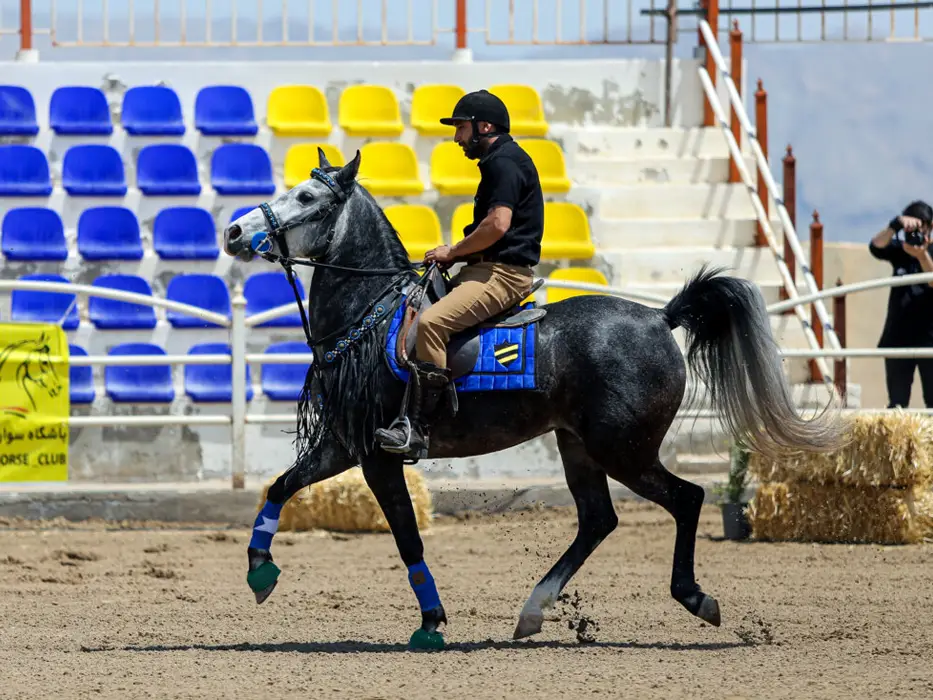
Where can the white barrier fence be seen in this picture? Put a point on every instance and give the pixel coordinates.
(790, 234)
(238, 324)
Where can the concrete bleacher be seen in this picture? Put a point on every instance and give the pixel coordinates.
(628, 202)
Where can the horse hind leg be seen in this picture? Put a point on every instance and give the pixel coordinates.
(596, 519)
(683, 500)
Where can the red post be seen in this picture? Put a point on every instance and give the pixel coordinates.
(735, 54)
(461, 24)
(839, 366)
(711, 12)
(761, 126)
(25, 25)
(816, 267)
(790, 202)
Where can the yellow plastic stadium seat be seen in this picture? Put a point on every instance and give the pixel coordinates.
(452, 173)
(302, 158)
(417, 226)
(390, 168)
(586, 275)
(429, 103)
(549, 161)
(369, 110)
(525, 111)
(566, 233)
(462, 217)
(298, 110)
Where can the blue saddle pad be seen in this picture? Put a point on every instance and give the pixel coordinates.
(506, 359)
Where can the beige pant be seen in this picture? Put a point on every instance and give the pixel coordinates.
(482, 290)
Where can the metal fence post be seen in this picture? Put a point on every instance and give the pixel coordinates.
(238, 400)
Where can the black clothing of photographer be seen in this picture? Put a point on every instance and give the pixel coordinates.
(909, 321)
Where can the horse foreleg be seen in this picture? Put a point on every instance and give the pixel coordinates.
(386, 478)
(596, 519)
(328, 460)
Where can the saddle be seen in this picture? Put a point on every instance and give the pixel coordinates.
(463, 347)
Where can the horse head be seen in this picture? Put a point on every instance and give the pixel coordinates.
(35, 369)
(300, 223)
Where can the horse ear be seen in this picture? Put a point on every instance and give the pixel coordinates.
(322, 159)
(347, 173)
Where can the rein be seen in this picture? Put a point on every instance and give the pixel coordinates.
(262, 243)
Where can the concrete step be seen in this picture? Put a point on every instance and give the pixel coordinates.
(678, 263)
(631, 142)
(658, 170)
(671, 201)
(657, 233)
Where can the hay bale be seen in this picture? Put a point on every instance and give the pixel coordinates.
(817, 513)
(893, 450)
(346, 503)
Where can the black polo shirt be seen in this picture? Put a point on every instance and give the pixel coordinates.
(909, 321)
(508, 178)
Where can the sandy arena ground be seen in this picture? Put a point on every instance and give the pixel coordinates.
(96, 611)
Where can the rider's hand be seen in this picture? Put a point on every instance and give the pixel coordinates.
(440, 255)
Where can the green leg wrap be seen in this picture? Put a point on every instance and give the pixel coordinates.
(263, 577)
(422, 639)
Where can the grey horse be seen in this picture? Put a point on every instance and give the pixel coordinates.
(610, 379)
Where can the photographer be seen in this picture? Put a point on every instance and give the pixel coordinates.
(909, 321)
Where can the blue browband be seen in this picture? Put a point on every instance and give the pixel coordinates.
(320, 175)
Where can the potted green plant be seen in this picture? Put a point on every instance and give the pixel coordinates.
(735, 523)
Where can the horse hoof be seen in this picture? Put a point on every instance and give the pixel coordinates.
(709, 611)
(264, 593)
(262, 580)
(528, 624)
(423, 640)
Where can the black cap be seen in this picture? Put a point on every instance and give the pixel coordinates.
(482, 106)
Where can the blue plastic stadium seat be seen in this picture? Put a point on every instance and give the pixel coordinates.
(268, 290)
(284, 382)
(152, 110)
(213, 382)
(77, 110)
(93, 169)
(45, 307)
(185, 233)
(206, 291)
(80, 379)
(33, 233)
(24, 171)
(111, 314)
(109, 233)
(17, 112)
(224, 110)
(139, 383)
(167, 169)
(241, 168)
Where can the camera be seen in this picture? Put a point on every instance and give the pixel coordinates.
(914, 237)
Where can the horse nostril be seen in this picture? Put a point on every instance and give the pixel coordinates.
(234, 232)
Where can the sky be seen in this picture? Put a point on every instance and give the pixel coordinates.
(855, 111)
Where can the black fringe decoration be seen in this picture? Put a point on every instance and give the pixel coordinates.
(346, 397)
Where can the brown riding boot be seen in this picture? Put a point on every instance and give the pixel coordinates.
(423, 410)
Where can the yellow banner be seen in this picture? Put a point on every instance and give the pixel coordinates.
(34, 402)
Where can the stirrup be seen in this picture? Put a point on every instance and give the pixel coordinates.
(405, 424)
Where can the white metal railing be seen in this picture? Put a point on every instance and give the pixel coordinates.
(790, 234)
(238, 324)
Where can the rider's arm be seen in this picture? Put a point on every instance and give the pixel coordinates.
(490, 230)
(505, 180)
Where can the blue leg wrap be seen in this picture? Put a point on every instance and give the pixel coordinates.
(265, 526)
(422, 583)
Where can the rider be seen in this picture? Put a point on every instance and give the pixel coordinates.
(500, 248)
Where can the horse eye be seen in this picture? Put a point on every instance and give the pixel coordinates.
(305, 197)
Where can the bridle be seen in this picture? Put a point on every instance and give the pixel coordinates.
(263, 242)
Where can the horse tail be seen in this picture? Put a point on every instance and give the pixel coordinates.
(730, 348)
